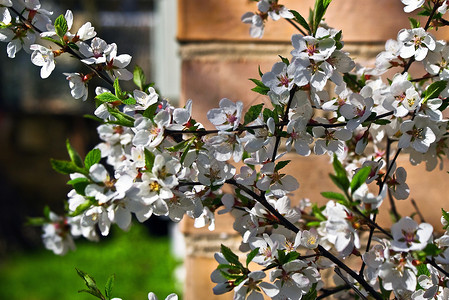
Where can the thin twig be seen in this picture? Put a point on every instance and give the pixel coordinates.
(351, 285)
(284, 119)
(66, 49)
(297, 27)
(329, 292)
(421, 217)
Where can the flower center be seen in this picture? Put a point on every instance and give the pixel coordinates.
(155, 186)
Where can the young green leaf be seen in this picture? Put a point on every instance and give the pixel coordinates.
(311, 294)
(61, 26)
(81, 208)
(252, 113)
(260, 72)
(284, 60)
(414, 23)
(261, 90)
(434, 90)
(179, 146)
(359, 178)
(334, 196)
(446, 218)
(65, 166)
(90, 281)
(129, 101)
(79, 184)
(300, 20)
(139, 77)
(92, 158)
(149, 159)
(150, 111)
(122, 118)
(107, 97)
(319, 11)
(251, 255)
(109, 286)
(338, 167)
(317, 212)
(230, 256)
(74, 156)
(118, 89)
(281, 165)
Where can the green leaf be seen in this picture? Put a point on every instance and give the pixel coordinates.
(260, 72)
(61, 26)
(179, 146)
(360, 178)
(117, 88)
(267, 113)
(107, 97)
(317, 212)
(385, 294)
(334, 196)
(258, 82)
(311, 294)
(281, 165)
(341, 183)
(313, 224)
(284, 60)
(95, 118)
(446, 217)
(434, 90)
(232, 277)
(300, 19)
(149, 159)
(252, 113)
(319, 11)
(79, 184)
(109, 285)
(82, 208)
(186, 151)
(74, 156)
(122, 118)
(291, 256)
(139, 77)
(90, 281)
(261, 90)
(129, 101)
(382, 122)
(340, 178)
(73, 46)
(230, 256)
(150, 111)
(118, 91)
(422, 270)
(414, 23)
(432, 250)
(340, 171)
(92, 158)
(251, 255)
(35, 221)
(65, 166)
(52, 40)
(47, 212)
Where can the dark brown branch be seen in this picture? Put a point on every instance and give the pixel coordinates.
(351, 285)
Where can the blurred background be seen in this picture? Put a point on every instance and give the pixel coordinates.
(36, 117)
(218, 57)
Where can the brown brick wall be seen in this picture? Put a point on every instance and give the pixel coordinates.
(218, 57)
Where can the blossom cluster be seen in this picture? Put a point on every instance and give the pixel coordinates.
(156, 159)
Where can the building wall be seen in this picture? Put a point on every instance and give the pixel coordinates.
(218, 57)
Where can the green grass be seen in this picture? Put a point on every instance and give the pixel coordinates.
(140, 262)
